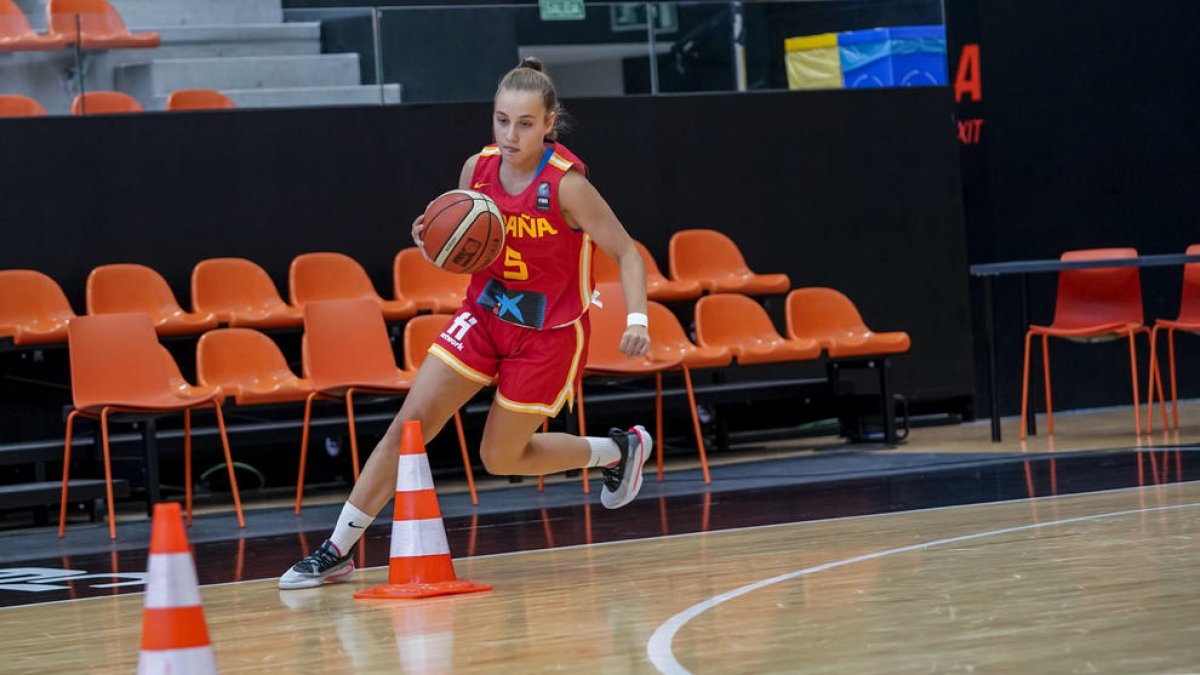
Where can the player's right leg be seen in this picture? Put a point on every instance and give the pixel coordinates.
(437, 392)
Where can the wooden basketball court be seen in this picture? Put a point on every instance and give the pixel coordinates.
(1097, 582)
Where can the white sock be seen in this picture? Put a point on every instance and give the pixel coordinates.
(604, 451)
(345, 534)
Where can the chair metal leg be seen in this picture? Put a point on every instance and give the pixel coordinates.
(462, 445)
(237, 498)
(62, 509)
(187, 463)
(1155, 385)
(887, 406)
(304, 449)
(1046, 368)
(687, 383)
(353, 433)
(1174, 392)
(1025, 387)
(108, 485)
(1137, 413)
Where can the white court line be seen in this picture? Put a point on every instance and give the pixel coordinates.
(659, 646)
(698, 533)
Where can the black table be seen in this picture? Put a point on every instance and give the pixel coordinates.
(1024, 268)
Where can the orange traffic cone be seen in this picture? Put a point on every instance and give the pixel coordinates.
(174, 635)
(420, 565)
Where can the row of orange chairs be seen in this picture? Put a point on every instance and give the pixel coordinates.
(233, 291)
(113, 102)
(92, 24)
(118, 366)
(1102, 304)
(238, 292)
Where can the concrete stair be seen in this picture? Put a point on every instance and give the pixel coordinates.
(160, 77)
(240, 47)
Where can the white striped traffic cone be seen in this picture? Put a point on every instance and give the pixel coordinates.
(420, 565)
(174, 634)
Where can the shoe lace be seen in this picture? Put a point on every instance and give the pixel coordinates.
(322, 558)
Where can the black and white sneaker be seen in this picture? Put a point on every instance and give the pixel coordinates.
(623, 481)
(326, 565)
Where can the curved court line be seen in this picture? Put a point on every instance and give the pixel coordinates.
(659, 646)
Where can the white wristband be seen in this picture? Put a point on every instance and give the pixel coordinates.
(637, 319)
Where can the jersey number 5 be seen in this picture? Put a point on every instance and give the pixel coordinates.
(515, 268)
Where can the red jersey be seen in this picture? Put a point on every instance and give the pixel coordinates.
(543, 277)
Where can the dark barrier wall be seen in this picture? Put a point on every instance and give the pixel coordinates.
(855, 189)
(1089, 138)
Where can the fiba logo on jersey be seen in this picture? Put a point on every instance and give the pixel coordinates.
(458, 329)
(543, 196)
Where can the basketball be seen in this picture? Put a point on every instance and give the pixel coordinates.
(464, 231)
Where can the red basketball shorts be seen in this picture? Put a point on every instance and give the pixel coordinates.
(534, 371)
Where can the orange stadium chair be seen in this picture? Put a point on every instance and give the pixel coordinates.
(99, 26)
(1093, 305)
(604, 358)
(104, 103)
(240, 293)
(33, 308)
(713, 260)
(12, 105)
(426, 284)
(118, 366)
(121, 288)
(419, 334)
(334, 276)
(742, 325)
(1188, 321)
(658, 287)
(248, 367)
(17, 36)
(347, 351)
(199, 99)
(669, 341)
(830, 318)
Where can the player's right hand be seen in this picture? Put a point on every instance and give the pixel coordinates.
(418, 234)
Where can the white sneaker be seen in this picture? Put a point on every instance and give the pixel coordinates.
(325, 565)
(623, 481)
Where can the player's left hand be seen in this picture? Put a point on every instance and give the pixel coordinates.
(635, 341)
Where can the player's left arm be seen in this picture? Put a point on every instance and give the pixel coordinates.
(584, 208)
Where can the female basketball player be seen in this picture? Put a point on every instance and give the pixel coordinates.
(522, 327)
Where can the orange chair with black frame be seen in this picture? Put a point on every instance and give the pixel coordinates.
(199, 99)
(346, 352)
(717, 264)
(426, 284)
(16, 35)
(658, 287)
(240, 293)
(1092, 305)
(94, 24)
(121, 288)
(829, 317)
(1188, 321)
(33, 308)
(419, 333)
(336, 276)
(118, 367)
(104, 103)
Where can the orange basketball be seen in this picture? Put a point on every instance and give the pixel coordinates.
(464, 231)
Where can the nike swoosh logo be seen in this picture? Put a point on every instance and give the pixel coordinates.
(479, 185)
(357, 527)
